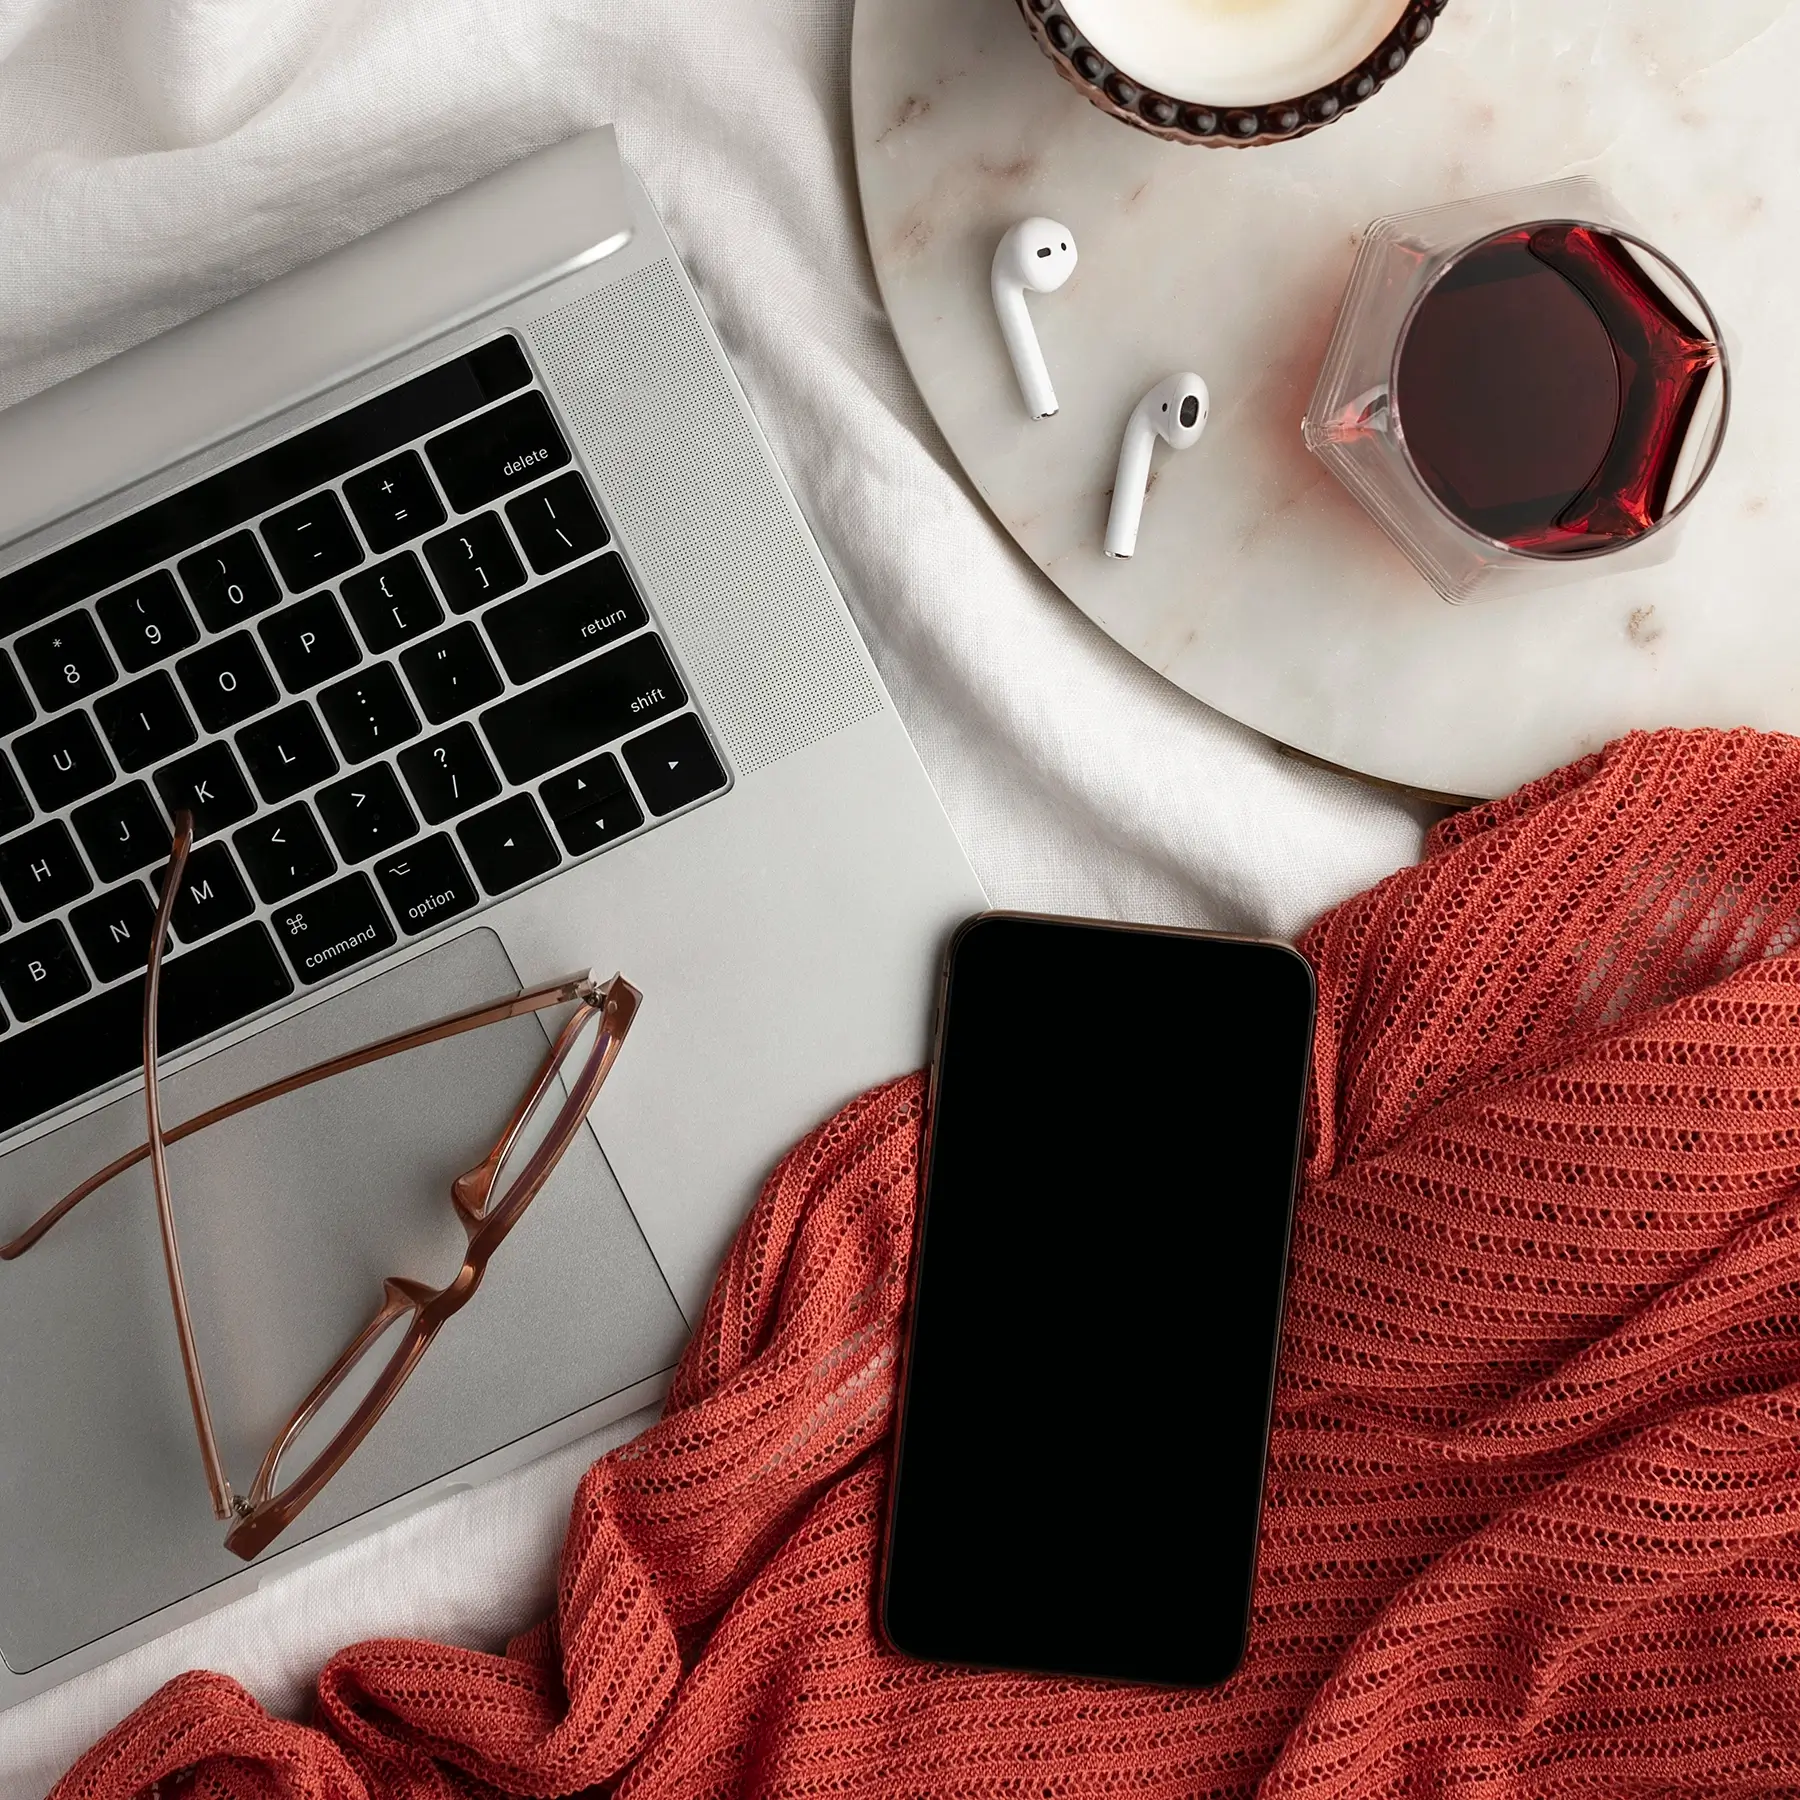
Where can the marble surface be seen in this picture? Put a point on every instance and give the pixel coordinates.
(1259, 585)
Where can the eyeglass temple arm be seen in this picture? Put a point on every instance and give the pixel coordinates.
(218, 1486)
(538, 999)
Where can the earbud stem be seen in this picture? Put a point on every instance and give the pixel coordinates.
(1023, 347)
(1129, 487)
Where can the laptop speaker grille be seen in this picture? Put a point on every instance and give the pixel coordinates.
(693, 495)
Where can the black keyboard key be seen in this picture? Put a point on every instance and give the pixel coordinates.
(39, 971)
(574, 713)
(15, 809)
(600, 824)
(508, 448)
(576, 789)
(394, 502)
(508, 844)
(66, 662)
(591, 805)
(392, 603)
(286, 753)
(114, 930)
(145, 722)
(369, 713)
(148, 621)
(425, 883)
(333, 929)
(229, 581)
(272, 477)
(449, 773)
(366, 813)
(212, 894)
(15, 704)
(41, 871)
(312, 542)
(123, 831)
(309, 643)
(284, 853)
(62, 761)
(451, 673)
(475, 563)
(208, 784)
(95, 1043)
(569, 617)
(228, 681)
(558, 523)
(674, 765)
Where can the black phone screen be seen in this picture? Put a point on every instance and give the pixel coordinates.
(1097, 1288)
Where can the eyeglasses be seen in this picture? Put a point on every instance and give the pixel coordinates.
(332, 1421)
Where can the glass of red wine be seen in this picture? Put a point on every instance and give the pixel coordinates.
(1521, 390)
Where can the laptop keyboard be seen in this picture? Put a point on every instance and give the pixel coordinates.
(394, 666)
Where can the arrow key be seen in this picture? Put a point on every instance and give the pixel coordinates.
(508, 844)
(577, 789)
(674, 764)
(590, 805)
(600, 824)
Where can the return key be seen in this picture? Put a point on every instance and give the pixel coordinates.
(588, 606)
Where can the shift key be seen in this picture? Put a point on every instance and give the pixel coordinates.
(581, 709)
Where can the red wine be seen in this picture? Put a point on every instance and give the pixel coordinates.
(1545, 388)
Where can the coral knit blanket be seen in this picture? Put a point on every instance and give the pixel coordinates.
(1533, 1523)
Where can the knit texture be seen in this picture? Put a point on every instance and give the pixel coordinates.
(1533, 1514)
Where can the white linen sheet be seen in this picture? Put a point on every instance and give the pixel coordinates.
(157, 156)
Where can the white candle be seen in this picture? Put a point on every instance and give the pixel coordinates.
(1235, 52)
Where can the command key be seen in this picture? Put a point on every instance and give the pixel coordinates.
(333, 928)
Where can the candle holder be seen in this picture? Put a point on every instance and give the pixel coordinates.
(1189, 121)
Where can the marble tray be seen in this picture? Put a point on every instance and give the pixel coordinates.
(1259, 585)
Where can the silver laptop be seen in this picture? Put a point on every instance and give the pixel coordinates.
(451, 585)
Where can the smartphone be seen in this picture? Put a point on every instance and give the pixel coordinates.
(1112, 1146)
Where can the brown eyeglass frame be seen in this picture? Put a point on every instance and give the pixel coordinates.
(262, 1514)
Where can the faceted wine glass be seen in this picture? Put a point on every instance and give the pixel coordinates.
(1521, 390)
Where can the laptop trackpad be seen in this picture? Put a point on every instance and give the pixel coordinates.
(289, 1220)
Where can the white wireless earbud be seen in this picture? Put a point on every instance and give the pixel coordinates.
(1038, 254)
(1174, 410)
